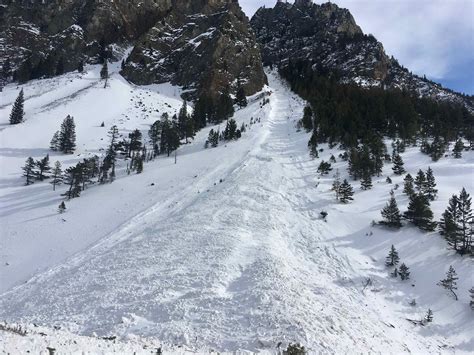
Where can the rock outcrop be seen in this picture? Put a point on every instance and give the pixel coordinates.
(204, 45)
(329, 38)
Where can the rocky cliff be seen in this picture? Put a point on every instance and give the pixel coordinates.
(200, 44)
(330, 39)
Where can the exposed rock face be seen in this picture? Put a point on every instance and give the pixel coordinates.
(200, 44)
(330, 39)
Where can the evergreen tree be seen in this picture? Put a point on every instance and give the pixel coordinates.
(213, 138)
(56, 175)
(430, 185)
(408, 186)
(420, 181)
(104, 72)
(62, 208)
(398, 164)
(73, 178)
(307, 120)
(155, 135)
(392, 258)
(43, 168)
(28, 171)
(429, 316)
(419, 212)
(336, 185)
(465, 222)
(366, 182)
(67, 136)
(6, 69)
(230, 131)
(139, 164)
(471, 292)
(324, 168)
(18, 114)
(346, 192)
(135, 143)
(458, 148)
(449, 223)
(54, 145)
(391, 214)
(450, 282)
(169, 137)
(404, 272)
(80, 67)
(241, 99)
(225, 107)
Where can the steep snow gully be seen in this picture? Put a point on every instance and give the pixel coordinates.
(244, 265)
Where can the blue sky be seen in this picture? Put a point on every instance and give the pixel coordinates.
(431, 37)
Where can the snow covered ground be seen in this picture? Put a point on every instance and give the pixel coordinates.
(227, 250)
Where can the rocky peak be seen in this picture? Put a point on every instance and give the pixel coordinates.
(329, 38)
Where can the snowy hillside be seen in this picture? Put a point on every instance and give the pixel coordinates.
(225, 250)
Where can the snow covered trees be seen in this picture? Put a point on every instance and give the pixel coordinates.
(18, 114)
(450, 282)
(458, 148)
(169, 137)
(408, 187)
(429, 188)
(28, 171)
(391, 214)
(56, 175)
(64, 140)
(366, 182)
(398, 164)
(231, 132)
(456, 223)
(346, 192)
(404, 272)
(392, 258)
(155, 135)
(324, 168)
(419, 212)
(43, 168)
(62, 207)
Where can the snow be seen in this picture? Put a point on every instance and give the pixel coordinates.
(227, 251)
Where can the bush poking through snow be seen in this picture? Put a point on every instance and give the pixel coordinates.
(295, 349)
(450, 282)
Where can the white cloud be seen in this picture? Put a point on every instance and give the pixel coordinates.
(432, 37)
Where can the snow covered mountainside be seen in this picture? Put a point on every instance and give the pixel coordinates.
(225, 250)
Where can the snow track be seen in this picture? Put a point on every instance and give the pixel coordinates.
(245, 264)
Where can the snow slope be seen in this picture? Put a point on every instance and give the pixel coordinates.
(227, 250)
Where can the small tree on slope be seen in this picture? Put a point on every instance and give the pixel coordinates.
(346, 192)
(56, 175)
(28, 171)
(408, 187)
(398, 164)
(392, 258)
(391, 214)
(419, 213)
(430, 185)
(404, 272)
(450, 282)
(18, 114)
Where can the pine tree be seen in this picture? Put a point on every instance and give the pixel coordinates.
(398, 165)
(471, 292)
(80, 66)
(28, 171)
(324, 168)
(139, 164)
(404, 272)
(392, 258)
(6, 69)
(465, 222)
(73, 178)
(408, 187)
(336, 185)
(169, 137)
(135, 143)
(420, 181)
(458, 148)
(213, 138)
(230, 131)
(448, 225)
(155, 135)
(307, 120)
(241, 99)
(54, 145)
(43, 168)
(391, 214)
(366, 182)
(430, 185)
(419, 212)
(429, 316)
(18, 113)
(104, 72)
(346, 192)
(62, 208)
(225, 107)
(67, 136)
(56, 175)
(450, 282)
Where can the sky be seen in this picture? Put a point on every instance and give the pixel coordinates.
(429, 37)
